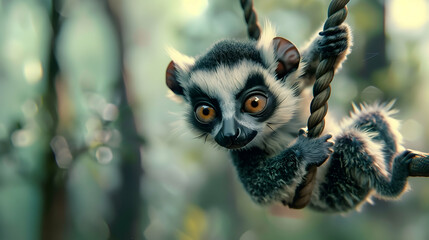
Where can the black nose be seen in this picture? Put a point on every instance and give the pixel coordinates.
(228, 133)
(232, 135)
(229, 129)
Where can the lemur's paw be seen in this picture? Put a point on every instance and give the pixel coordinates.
(315, 151)
(417, 162)
(406, 157)
(334, 41)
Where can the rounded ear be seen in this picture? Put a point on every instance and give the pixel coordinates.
(287, 56)
(171, 79)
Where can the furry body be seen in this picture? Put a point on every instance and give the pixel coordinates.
(223, 89)
(365, 162)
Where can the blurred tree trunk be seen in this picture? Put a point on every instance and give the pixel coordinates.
(54, 213)
(126, 200)
(374, 68)
(376, 44)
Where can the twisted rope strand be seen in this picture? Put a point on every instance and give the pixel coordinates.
(253, 27)
(337, 13)
(419, 166)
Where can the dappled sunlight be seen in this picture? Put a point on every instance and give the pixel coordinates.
(22, 138)
(194, 8)
(407, 15)
(33, 71)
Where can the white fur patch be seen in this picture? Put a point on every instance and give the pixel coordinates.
(225, 82)
(372, 148)
(385, 109)
(183, 62)
(265, 46)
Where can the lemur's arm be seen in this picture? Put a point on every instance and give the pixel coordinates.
(269, 179)
(334, 41)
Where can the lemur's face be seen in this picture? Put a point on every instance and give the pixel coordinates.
(231, 104)
(234, 94)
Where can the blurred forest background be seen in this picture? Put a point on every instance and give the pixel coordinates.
(91, 147)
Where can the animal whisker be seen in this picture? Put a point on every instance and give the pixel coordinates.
(268, 125)
(277, 123)
(201, 136)
(281, 101)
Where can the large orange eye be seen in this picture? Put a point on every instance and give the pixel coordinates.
(255, 104)
(205, 113)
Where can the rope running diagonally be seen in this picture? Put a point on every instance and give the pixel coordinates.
(253, 27)
(337, 13)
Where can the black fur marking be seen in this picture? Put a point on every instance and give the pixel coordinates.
(263, 177)
(198, 97)
(256, 84)
(229, 53)
(254, 80)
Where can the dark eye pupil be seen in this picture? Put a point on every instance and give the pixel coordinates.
(206, 111)
(255, 103)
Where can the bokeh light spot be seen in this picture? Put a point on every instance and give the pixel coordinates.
(104, 155)
(194, 7)
(371, 94)
(30, 108)
(22, 138)
(62, 152)
(33, 71)
(110, 112)
(409, 15)
(413, 130)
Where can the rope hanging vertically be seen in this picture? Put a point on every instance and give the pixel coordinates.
(337, 13)
(253, 27)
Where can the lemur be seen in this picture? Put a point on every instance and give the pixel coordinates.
(249, 97)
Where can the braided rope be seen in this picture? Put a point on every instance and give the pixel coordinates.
(337, 13)
(419, 166)
(253, 27)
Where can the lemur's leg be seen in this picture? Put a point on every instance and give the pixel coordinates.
(383, 127)
(399, 163)
(365, 158)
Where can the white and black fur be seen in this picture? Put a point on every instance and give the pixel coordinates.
(270, 156)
